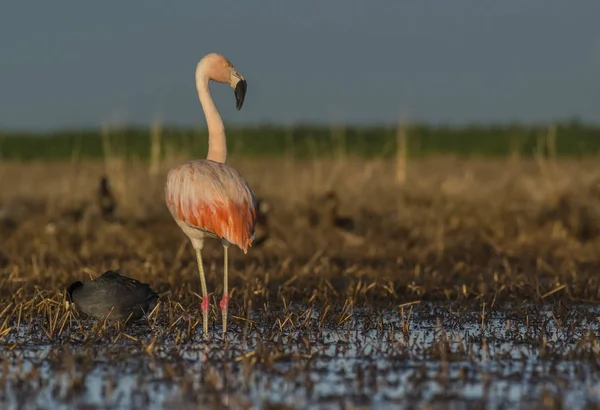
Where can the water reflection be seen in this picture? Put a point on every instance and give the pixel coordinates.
(374, 359)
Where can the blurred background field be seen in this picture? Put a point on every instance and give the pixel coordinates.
(453, 222)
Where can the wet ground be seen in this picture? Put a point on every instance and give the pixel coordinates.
(417, 356)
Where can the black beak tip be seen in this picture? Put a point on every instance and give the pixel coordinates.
(240, 94)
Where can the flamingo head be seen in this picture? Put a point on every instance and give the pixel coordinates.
(219, 69)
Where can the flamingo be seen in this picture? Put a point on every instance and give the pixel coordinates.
(207, 198)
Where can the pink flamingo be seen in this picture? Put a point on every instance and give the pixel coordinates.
(207, 198)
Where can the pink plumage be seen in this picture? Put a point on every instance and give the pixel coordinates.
(214, 200)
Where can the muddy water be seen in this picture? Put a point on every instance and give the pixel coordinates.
(432, 357)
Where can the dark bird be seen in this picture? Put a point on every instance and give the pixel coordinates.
(16, 211)
(325, 213)
(106, 199)
(128, 298)
(7, 224)
(261, 229)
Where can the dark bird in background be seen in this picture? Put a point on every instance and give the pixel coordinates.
(324, 212)
(7, 224)
(261, 229)
(13, 213)
(127, 298)
(107, 205)
(106, 199)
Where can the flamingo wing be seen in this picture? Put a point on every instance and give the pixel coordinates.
(214, 198)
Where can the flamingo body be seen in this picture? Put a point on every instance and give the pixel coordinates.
(211, 199)
(207, 198)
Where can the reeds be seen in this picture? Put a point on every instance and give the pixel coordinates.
(401, 154)
(155, 148)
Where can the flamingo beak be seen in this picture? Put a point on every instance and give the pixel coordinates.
(238, 83)
(240, 93)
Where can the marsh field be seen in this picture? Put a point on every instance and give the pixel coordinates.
(464, 282)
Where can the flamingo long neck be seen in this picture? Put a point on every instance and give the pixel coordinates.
(217, 146)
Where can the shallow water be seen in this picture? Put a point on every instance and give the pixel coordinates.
(430, 357)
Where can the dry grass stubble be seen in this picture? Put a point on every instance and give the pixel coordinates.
(472, 231)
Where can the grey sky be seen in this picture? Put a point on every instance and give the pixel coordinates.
(75, 63)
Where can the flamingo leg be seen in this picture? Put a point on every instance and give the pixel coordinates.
(204, 304)
(225, 300)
